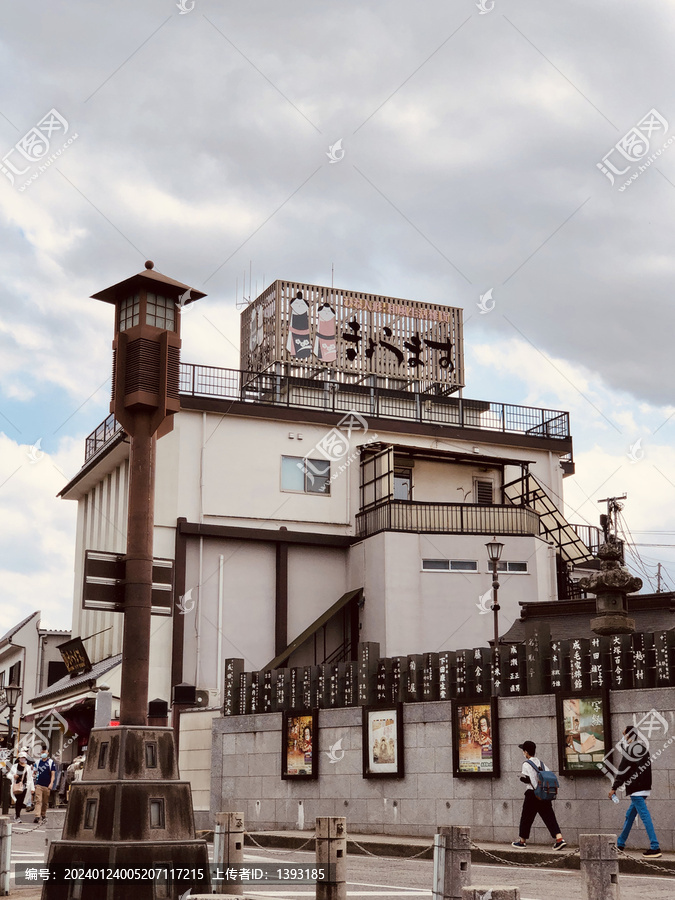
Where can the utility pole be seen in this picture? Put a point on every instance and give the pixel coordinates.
(658, 578)
(608, 522)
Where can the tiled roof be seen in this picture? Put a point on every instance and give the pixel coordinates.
(65, 684)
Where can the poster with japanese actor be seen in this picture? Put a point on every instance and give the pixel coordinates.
(299, 744)
(382, 741)
(475, 742)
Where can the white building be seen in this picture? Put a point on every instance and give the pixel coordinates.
(29, 657)
(339, 488)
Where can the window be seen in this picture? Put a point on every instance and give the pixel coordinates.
(151, 755)
(483, 492)
(103, 755)
(160, 311)
(449, 565)
(90, 813)
(129, 312)
(14, 676)
(157, 814)
(402, 484)
(513, 568)
(305, 475)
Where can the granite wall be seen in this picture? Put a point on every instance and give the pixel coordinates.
(246, 762)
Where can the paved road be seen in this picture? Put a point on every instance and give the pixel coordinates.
(391, 878)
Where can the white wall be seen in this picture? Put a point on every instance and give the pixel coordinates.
(412, 611)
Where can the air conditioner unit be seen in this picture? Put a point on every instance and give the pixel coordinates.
(202, 698)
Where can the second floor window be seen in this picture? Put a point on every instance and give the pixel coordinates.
(305, 475)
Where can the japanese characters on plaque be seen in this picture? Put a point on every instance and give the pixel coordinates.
(267, 692)
(597, 651)
(281, 690)
(313, 326)
(414, 678)
(350, 687)
(334, 688)
(396, 675)
(383, 683)
(662, 657)
(557, 664)
(231, 687)
(461, 673)
(516, 679)
(294, 688)
(255, 692)
(579, 668)
(444, 675)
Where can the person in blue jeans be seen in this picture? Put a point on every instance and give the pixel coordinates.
(636, 774)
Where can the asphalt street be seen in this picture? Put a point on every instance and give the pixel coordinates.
(389, 878)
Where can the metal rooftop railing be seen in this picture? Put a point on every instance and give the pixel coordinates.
(377, 400)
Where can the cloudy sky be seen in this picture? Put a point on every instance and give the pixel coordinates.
(471, 156)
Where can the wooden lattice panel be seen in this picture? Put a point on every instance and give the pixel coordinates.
(353, 334)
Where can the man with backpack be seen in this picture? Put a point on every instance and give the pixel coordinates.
(636, 775)
(542, 790)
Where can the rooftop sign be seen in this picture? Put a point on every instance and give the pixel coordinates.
(351, 333)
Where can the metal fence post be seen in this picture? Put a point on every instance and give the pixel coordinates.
(600, 866)
(5, 854)
(331, 850)
(228, 846)
(452, 862)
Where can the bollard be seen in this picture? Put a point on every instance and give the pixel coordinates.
(228, 846)
(331, 850)
(473, 892)
(54, 829)
(452, 861)
(600, 866)
(5, 854)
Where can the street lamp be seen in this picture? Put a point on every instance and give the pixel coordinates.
(494, 549)
(12, 694)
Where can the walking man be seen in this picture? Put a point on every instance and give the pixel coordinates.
(532, 805)
(636, 774)
(45, 775)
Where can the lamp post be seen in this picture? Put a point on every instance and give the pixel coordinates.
(494, 549)
(131, 809)
(12, 694)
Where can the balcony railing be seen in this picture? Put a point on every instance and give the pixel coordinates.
(105, 432)
(446, 518)
(369, 400)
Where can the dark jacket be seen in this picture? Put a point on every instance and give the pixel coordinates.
(635, 770)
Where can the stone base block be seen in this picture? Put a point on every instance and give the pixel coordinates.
(191, 855)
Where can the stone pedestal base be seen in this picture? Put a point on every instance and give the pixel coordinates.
(130, 811)
(612, 624)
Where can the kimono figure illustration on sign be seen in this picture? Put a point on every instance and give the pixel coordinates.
(324, 342)
(299, 344)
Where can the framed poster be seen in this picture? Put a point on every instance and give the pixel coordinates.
(299, 744)
(475, 738)
(583, 731)
(382, 741)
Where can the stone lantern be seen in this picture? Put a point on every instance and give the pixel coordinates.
(611, 585)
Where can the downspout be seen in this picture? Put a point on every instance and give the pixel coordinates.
(219, 656)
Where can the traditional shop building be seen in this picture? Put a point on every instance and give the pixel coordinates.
(30, 658)
(338, 488)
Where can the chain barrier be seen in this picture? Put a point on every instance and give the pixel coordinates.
(382, 856)
(643, 862)
(524, 865)
(272, 850)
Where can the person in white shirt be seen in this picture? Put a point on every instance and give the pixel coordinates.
(21, 778)
(532, 805)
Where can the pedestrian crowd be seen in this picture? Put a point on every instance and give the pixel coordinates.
(35, 781)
